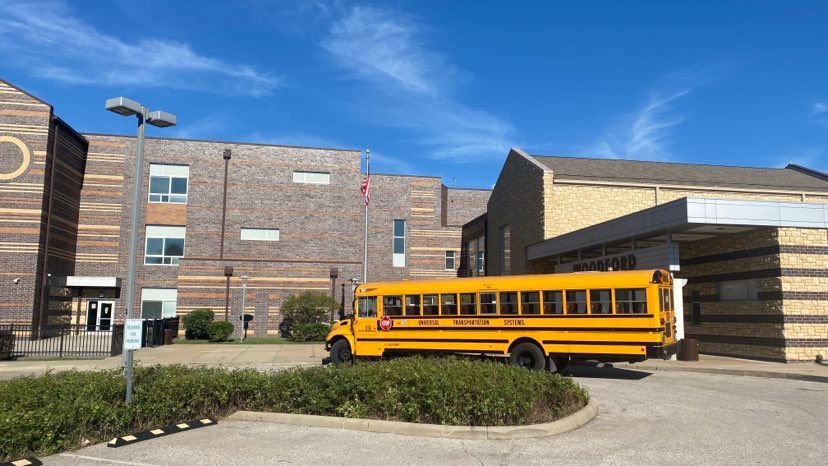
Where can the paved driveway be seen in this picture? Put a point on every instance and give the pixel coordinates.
(665, 417)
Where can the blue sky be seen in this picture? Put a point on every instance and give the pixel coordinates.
(444, 88)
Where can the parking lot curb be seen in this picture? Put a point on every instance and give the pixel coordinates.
(736, 372)
(560, 426)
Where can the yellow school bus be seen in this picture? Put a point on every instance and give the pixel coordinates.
(538, 321)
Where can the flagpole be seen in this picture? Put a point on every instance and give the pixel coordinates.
(366, 202)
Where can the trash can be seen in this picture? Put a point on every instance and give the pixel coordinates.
(688, 350)
(168, 336)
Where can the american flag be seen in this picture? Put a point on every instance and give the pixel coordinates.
(366, 189)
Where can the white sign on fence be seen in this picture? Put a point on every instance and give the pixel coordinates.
(132, 334)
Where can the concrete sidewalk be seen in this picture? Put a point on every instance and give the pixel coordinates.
(260, 357)
(733, 366)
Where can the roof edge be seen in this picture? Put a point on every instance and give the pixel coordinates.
(28, 94)
(216, 141)
(807, 171)
(530, 158)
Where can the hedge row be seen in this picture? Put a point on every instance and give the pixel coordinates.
(65, 410)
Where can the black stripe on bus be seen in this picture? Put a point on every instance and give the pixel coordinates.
(614, 343)
(547, 329)
(512, 316)
(441, 340)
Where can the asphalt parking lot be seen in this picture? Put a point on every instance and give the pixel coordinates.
(658, 418)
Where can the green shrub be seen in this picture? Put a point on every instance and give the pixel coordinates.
(309, 332)
(6, 344)
(219, 330)
(60, 411)
(195, 324)
(310, 307)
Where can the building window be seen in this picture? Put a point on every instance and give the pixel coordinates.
(168, 183)
(165, 245)
(312, 177)
(260, 234)
(158, 303)
(450, 260)
(399, 244)
(505, 242)
(739, 290)
(481, 256)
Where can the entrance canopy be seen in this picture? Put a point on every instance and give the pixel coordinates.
(92, 282)
(655, 231)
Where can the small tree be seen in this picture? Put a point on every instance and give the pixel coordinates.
(196, 322)
(219, 330)
(310, 307)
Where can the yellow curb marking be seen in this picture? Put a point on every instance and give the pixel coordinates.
(206, 421)
(129, 438)
(157, 431)
(21, 462)
(182, 426)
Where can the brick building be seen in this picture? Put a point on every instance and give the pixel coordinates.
(293, 214)
(752, 243)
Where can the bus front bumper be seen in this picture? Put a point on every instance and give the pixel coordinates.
(662, 352)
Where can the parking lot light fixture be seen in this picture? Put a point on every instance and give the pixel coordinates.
(127, 107)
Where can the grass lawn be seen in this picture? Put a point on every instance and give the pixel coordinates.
(247, 341)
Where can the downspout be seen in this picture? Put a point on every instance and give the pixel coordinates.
(224, 201)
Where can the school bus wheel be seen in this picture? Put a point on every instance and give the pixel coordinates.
(341, 352)
(527, 355)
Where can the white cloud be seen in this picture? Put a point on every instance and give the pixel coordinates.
(819, 107)
(48, 39)
(646, 133)
(409, 85)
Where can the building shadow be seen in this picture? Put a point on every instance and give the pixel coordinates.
(593, 370)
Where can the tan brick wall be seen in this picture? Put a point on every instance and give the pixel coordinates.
(572, 207)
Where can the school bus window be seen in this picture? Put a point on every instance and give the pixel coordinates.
(530, 302)
(430, 306)
(392, 305)
(631, 301)
(508, 303)
(468, 305)
(576, 302)
(368, 306)
(600, 301)
(553, 302)
(488, 303)
(412, 305)
(449, 304)
(665, 299)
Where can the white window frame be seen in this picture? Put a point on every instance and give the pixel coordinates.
(168, 297)
(398, 259)
(165, 232)
(266, 234)
(451, 256)
(311, 177)
(158, 170)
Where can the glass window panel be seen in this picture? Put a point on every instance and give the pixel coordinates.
(450, 260)
(159, 185)
(631, 301)
(368, 306)
(178, 186)
(468, 304)
(553, 302)
(153, 260)
(399, 228)
(412, 305)
(508, 303)
(392, 305)
(155, 246)
(174, 247)
(449, 304)
(530, 302)
(152, 309)
(399, 246)
(576, 302)
(168, 309)
(480, 257)
(430, 306)
(178, 198)
(488, 303)
(600, 301)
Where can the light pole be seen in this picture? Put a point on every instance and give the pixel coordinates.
(244, 294)
(126, 107)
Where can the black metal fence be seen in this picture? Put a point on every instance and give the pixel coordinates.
(73, 340)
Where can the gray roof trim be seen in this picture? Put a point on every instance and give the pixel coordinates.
(683, 213)
(531, 159)
(215, 141)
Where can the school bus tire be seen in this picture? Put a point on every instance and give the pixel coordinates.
(341, 352)
(527, 355)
